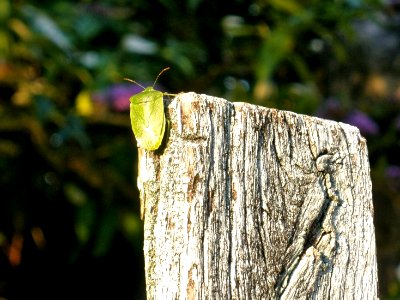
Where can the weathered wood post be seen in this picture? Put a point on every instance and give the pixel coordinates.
(247, 202)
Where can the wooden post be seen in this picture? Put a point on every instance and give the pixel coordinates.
(248, 202)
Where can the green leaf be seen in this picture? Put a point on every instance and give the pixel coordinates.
(47, 27)
(289, 6)
(84, 221)
(277, 47)
(105, 233)
(193, 4)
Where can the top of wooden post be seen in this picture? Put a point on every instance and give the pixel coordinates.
(248, 202)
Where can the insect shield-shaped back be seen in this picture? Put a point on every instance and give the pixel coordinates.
(147, 116)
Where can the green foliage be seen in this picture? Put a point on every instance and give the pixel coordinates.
(67, 159)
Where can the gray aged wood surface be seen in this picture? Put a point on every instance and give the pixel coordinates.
(247, 202)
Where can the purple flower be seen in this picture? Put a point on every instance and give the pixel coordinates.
(331, 109)
(119, 95)
(365, 124)
(397, 123)
(116, 97)
(392, 174)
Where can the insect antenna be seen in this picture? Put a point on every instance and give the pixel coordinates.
(162, 71)
(127, 79)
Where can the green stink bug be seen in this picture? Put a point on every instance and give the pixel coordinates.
(147, 115)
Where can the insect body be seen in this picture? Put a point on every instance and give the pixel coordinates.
(147, 116)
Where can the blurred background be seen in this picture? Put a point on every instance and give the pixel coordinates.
(70, 225)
